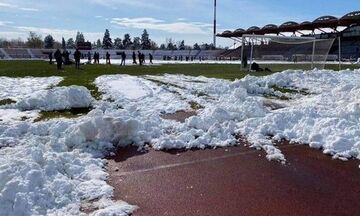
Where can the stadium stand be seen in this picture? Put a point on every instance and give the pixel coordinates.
(3, 54)
(350, 36)
(209, 54)
(18, 53)
(30, 53)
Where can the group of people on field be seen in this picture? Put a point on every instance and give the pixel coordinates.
(141, 57)
(63, 58)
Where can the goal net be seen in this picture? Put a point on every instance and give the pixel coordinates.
(287, 52)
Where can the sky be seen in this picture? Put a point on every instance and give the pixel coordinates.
(189, 20)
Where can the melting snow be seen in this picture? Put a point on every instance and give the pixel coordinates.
(17, 88)
(55, 167)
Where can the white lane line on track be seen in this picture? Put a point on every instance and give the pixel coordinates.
(168, 166)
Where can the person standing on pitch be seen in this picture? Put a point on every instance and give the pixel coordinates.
(123, 59)
(94, 57)
(89, 57)
(143, 58)
(108, 58)
(134, 58)
(139, 57)
(58, 58)
(50, 58)
(77, 56)
(151, 58)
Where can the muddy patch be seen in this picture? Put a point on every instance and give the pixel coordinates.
(179, 116)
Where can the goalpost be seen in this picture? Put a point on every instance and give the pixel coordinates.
(297, 52)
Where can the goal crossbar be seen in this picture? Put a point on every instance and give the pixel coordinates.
(285, 40)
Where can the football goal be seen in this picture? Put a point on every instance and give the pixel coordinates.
(296, 52)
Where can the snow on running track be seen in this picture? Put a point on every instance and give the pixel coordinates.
(56, 167)
(322, 110)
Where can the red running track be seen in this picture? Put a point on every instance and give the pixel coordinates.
(235, 181)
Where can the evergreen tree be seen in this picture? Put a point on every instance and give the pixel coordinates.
(49, 42)
(70, 44)
(196, 46)
(98, 43)
(170, 44)
(107, 41)
(34, 40)
(118, 43)
(145, 41)
(127, 41)
(181, 45)
(79, 38)
(63, 43)
(136, 43)
(163, 47)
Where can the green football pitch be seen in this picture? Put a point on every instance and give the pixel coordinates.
(88, 73)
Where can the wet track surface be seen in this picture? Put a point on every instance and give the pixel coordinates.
(235, 181)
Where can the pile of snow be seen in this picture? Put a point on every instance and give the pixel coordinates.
(128, 86)
(55, 167)
(140, 95)
(58, 98)
(17, 88)
(9, 116)
(325, 117)
(328, 118)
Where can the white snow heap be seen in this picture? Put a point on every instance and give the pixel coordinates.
(17, 88)
(58, 98)
(327, 118)
(55, 167)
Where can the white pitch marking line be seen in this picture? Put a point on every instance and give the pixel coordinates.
(190, 162)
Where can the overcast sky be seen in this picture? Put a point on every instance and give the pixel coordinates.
(190, 20)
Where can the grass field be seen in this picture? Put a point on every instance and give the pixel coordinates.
(89, 73)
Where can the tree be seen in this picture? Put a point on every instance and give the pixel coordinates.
(196, 46)
(70, 44)
(63, 43)
(207, 46)
(118, 43)
(127, 41)
(162, 46)
(153, 45)
(57, 45)
(79, 38)
(145, 41)
(98, 43)
(34, 40)
(49, 42)
(170, 44)
(107, 42)
(181, 45)
(136, 43)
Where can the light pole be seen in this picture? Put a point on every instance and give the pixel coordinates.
(215, 24)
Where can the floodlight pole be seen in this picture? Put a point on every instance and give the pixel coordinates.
(251, 54)
(242, 53)
(215, 24)
(339, 38)
(313, 54)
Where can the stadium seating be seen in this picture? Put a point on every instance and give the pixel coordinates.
(18, 53)
(209, 54)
